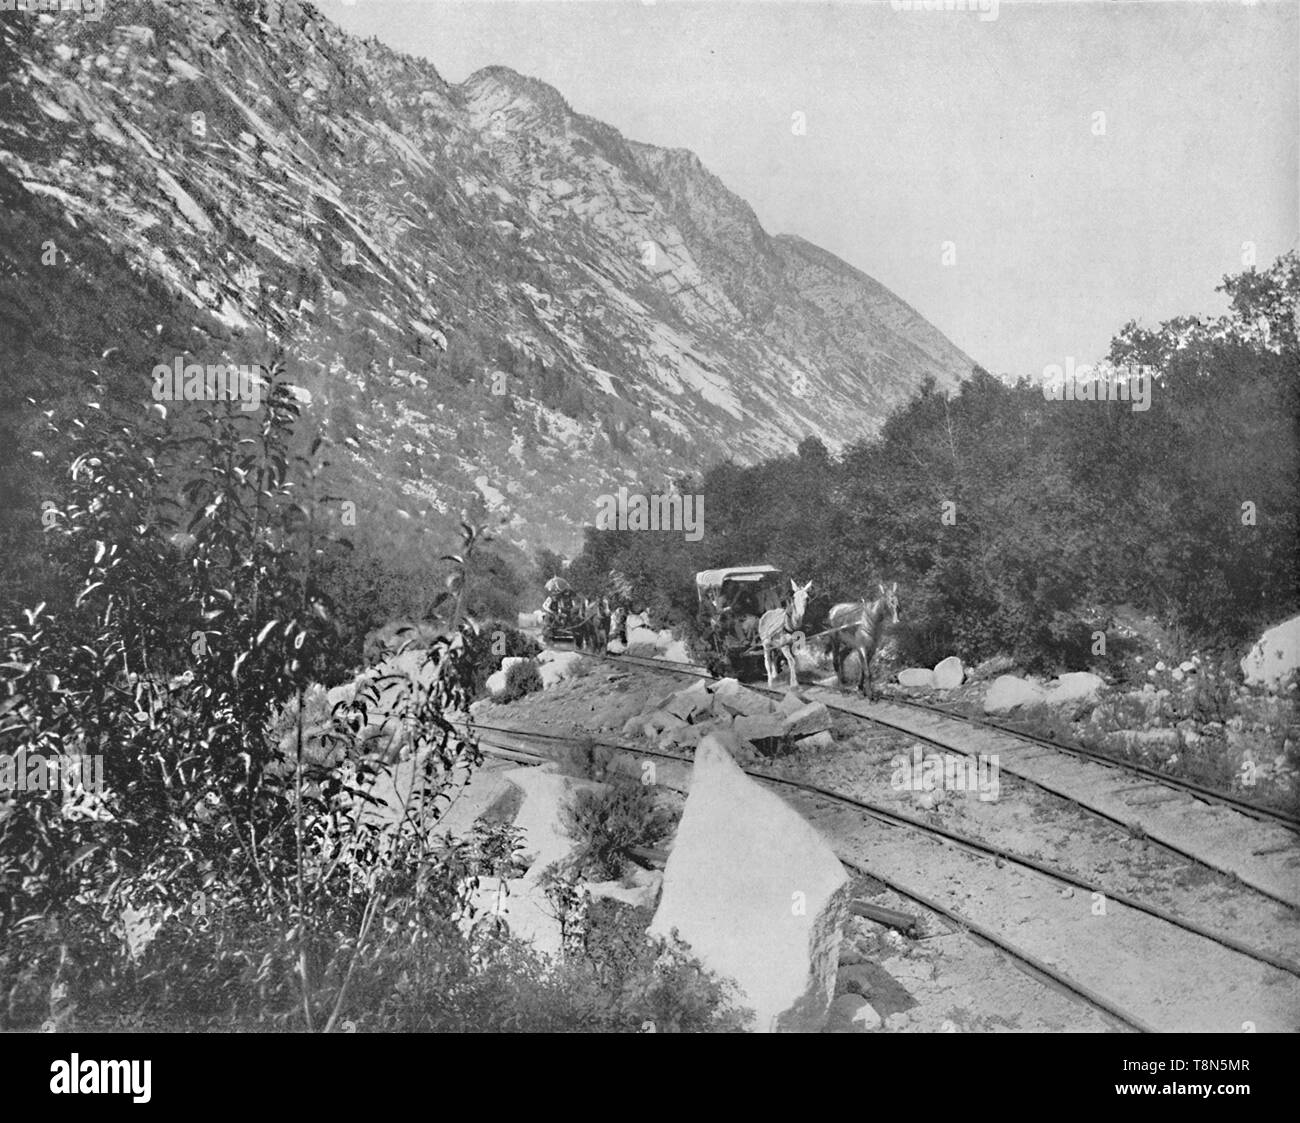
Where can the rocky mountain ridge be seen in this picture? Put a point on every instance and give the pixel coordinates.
(495, 303)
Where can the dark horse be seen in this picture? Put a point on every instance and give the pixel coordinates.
(858, 626)
(592, 632)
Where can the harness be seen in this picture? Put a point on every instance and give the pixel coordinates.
(840, 628)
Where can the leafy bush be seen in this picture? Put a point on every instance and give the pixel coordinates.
(608, 824)
(495, 643)
(522, 678)
(208, 879)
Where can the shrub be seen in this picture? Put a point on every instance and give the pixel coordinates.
(608, 824)
(522, 678)
(589, 759)
(495, 643)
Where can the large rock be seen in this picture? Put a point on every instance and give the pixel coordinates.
(741, 701)
(676, 652)
(496, 682)
(658, 722)
(949, 673)
(688, 703)
(522, 902)
(760, 727)
(642, 637)
(790, 703)
(640, 894)
(556, 666)
(1078, 690)
(756, 893)
(807, 720)
(916, 676)
(1275, 655)
(688, 736)
(1009, 692)
(851, 1013)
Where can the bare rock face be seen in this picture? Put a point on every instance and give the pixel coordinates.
(757, 894)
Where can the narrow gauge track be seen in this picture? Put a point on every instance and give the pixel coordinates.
(1212, 795)
(1030, 964)
(1190, 849)
(974, 845)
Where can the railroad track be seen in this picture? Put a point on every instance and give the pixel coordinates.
(1194, 830)
(1044, 881)
(508, 741)
(1210, 795)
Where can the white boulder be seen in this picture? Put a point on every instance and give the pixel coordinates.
(916, 676)
(757, 894)
(1275, 655)
(496, 682)
(1075, 687)
(555, 666)
(640, 894)
(1009, 691)
(522, 902)
(676, 652)
(949, 673)
(642, 637)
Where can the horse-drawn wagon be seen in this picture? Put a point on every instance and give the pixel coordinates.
(561, 613)
(731, 603)
(569, 618)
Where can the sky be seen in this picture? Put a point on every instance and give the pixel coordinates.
(1029, 183)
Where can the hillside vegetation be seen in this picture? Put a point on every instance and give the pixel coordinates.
(1018, 524)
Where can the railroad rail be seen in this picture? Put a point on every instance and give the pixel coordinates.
(851, 707)
(1211, 795)
(1025, 961)
(968, 842)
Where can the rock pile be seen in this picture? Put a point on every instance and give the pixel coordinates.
(682, 719)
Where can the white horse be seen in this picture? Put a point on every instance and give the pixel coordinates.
(777, 628)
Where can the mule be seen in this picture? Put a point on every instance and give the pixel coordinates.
(777, 630)
(859, 626)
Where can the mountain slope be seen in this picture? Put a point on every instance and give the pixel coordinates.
(497, 303)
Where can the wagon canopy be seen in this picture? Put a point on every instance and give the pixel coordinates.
(709, 580)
